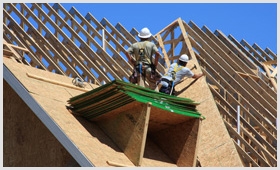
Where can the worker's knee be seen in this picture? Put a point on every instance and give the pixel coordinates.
(167, 90)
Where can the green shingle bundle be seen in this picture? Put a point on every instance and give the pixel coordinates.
(118, 93)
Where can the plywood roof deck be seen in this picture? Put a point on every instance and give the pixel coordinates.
(237, 73)
(91, 146)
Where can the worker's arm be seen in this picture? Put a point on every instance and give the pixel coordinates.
(157, 56)
(130, 59)
(196, 76)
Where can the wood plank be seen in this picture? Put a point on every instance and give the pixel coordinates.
(34, 44)
(273, 74)
(265, 147)
(246, 75)
(90, 39)
(182, 145)
(87, 139)
(128, 129)
(269, 52)
(215, 78)
(222, 50)
(65, 55)
(248, 146)
(8, 52)
(250, 161)
(45, 45)
(77, 52)
(270, 62)
(79, 39)
(244, 51)
(266, 81)
(253, 119)
(263, 54)
(238, 82)
(167, 62)
(252, 51)
(116, 164)
(186, 38)
(231, 66)
(272, 80)
(56, 82)
(16, 47)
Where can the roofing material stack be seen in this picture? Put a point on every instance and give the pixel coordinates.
(130, 114)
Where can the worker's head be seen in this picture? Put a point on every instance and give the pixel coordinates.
(183, 60)
(144, 33)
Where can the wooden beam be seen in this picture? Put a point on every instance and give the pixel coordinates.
(270, 62)
(274, 72)
(56, 82)
(75, 50)
(7, 52)
(180, 142)
(235, 45)
(116, 164)
(15, 46)
(128, 127)
(237, 60)
(33, 43)
(248, 146)
(222, 84)
(167, 62)
(272, 80)
(256, 78)
(266, 104)
(186, 38)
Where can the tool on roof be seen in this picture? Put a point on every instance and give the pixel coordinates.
(194, 67)
(78, 82)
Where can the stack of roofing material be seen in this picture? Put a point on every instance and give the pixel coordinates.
(118, 93)
(131, 115)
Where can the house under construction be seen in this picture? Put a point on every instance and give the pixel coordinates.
(231, 112)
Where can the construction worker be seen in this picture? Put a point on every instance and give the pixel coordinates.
(176, 72)
(144, 68)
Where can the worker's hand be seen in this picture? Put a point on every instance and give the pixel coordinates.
(201, 74)
(197, 76)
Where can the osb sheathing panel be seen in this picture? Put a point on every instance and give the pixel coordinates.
(87, 136)
(159, 118)
(26, 140)
(180, 142)
(127, 127)
(172, 132)
(214, 140)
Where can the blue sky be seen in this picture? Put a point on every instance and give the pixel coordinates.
(253, 22)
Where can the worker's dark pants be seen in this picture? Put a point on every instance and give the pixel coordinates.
(146, 76)
(167, 89)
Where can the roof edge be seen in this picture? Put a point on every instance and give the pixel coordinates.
(45, 118)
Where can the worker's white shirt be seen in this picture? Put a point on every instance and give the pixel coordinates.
(180, 74)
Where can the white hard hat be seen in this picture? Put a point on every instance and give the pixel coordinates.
(145, 33)
(184, 58)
